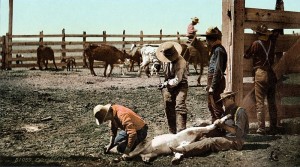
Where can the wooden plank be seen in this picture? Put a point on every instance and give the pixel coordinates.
(286, 90)
(238, 49)
(286, 19)
(226, 34)
(100, 36)
(294, 69)
(290, 111)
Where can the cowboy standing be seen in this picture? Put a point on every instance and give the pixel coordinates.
(133, 127)
(217, 66)
(175, 86)
(191, 31)
(263, 52)
(237, 127)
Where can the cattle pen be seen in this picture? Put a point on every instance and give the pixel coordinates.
(65, 45)
(236, 18)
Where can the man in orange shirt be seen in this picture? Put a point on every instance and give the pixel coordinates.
(133, 127)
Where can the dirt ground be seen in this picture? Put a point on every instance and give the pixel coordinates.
(47, 120)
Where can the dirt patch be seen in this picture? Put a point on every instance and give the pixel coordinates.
(46, 119)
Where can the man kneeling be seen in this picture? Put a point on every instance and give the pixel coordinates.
(133, 128)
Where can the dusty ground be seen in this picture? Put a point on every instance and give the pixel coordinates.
(46, 119)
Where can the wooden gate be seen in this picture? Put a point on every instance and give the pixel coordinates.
(236, 18)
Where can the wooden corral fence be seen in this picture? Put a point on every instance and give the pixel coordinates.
(66, 45)
(236, 18)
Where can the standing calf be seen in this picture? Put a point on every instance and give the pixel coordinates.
(70, 61)
(45, 53)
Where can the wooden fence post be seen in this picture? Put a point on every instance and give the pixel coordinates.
(3, 53)
(84, 42)
(160, 35)
(8, 51)
(41, 41)
(104, 36)
(141, 38)
(63, 44)
(123, 46)
(178, 37)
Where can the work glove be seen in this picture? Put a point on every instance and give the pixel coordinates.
(162, 85)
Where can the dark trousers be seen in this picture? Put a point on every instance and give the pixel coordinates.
(122, 139)
(216, 109)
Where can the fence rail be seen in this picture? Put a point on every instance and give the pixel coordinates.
(71, 44)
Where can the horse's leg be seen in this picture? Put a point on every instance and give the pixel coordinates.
(201, 72)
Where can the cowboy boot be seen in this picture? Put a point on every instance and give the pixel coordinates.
(172, 128)
(182, 121)
(273, 124)
(261, 123)
(172, 125)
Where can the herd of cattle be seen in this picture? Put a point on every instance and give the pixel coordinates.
(143, 55)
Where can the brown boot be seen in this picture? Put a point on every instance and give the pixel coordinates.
(182, 121)
(261, 123)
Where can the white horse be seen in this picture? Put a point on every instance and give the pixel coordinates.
(148, 57)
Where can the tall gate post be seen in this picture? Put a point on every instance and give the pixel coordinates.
(233, 16)
(63, 44)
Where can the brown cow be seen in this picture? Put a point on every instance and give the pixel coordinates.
(109, 54)
(45, 53)
(196, 55)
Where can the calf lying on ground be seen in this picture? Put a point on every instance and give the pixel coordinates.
(161, 144)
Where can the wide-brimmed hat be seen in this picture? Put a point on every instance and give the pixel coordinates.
(213, 31)
(226, 94)
(195, 19)
(262, 29)
(168, 51)
(100, 113)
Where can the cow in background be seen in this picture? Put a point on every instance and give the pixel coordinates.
(148, 53)
(109, 54)
(45, 53)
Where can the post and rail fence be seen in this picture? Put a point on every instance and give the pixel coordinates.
(66, 45)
